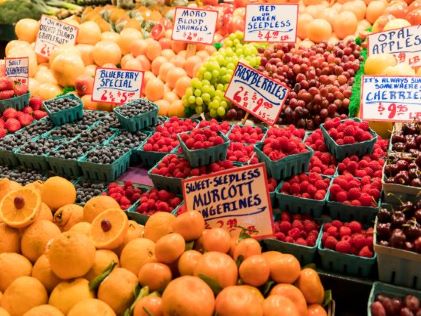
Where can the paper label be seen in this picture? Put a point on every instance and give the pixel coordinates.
(232, 199)
(193, 25)
(404, 44)
(256, 93)
(391, 99)
(17, 68)
(53, 33)
(117, 85)
(271, 23)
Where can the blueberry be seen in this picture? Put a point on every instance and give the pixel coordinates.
(59, 104)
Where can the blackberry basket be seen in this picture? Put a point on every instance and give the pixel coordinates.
(104, 172)
(340, 152)
(68, 115)
(286, 167)
(138, 122)
(205, 156)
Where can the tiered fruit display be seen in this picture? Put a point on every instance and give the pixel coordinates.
(100, 262)
(206, 93)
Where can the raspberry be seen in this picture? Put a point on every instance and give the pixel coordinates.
(284, 227)
(289, 239)
(345, 231)
(343, 247)
(294, 233)
(309, 225)
(369, 242)
(353, 194)
(349, 131)
(330, 242)
(320, 195)
(337, 223)
(341, 196)
(358, 241)
(365, 252)
(285, 217)
(332, 231)
(366, 199)
(280, 236)
(301, 241)
(364, 125)
(335, 189)
(297, 224)
(355, 227)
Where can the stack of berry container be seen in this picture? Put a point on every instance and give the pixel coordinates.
(203, 146)
(284, 152)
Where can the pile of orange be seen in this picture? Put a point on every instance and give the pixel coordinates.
(93, 260)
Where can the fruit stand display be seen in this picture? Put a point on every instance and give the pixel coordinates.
(149, 196)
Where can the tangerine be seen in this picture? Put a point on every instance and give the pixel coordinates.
(294, 294)
(136, 253)
(91, 306)
(310, 285)
(217, 266)
(82, 227)
(103, 258)
(7, 185)
(44, 213)
(68, 293)
(190, 225)
(58, 191)
(68, 215)
(149, 305)
(12, 266)
(254, 270)
(44, 310)
(9, 239)
(284, 268)
(216, 239)
(155, 275)
(43, 273)
(316, 310)
(97, 205)
(188, 296)
(158, 225)
(239, 300)
(278, 305)
(109, 229)
(188, 261)
(169, 248)
(246, 248)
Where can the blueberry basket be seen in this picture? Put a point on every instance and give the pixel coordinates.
(305, 254)
(68, 168)
(340, 152)
(286, 167)
(31, 161)
(104, 172)
(66, 115)
(8, 158)
(346, 263)
(138, 122)
(398, 266)
(205, 156)
(18, 102)
(388, 290)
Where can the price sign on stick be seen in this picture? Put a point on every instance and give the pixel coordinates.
(116, 85)
(271, 23)
(233, 198)
(390, 99)
(256, 93)
(18, 69)
(404, 44)
(193, 25)
(53, 33)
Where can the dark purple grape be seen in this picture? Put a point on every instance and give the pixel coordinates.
(397, 239)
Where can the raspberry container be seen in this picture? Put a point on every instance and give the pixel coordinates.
(343, 212)
(138, 122)
(150, 158)
(398, 266)
(66, 115)
(342, 151)
(170, 184)
(286, 167)
(205, 156)
(389, 290)
(18, 102)
(104, 172)
(298, 205)
(346, 263)
(305, 254)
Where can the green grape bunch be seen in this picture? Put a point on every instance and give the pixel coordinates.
(207, 90)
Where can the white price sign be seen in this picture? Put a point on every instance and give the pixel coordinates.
(17, 68)
(256, 93)
(53, 33)
(116, 85)
(390, 99)
(193, 25)
(271, 23)
(404, 44)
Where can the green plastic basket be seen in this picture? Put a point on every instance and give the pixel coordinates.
(139, 122)
(32, 161)
(340, 152)
(170, 184)
(64, 167)
(17, 103)
(104, 172)
(345, 263)
(8, 158)
(298, 205)
(205, 156)
(66, 115)
(304, 254)
(343, 212)
(389, 290)
(149, 159)
(286, 167)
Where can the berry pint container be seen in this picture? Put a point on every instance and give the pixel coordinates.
(68, 115)
(140, 121)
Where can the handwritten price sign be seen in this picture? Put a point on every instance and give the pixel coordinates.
(404, 44)
(18, 69)
(194, 25)
(232, 199)
(271, 23)
(116, 85)
(256, 94)
(390, 99)
(53, 33)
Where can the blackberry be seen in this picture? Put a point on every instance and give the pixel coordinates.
(59, 104)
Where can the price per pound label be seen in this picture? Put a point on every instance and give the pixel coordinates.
(271, 23)
(390, 99)
(256, 93)
(404, 44)
(194, 25)
(116, 85)
(18, 69)
(53, 33)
